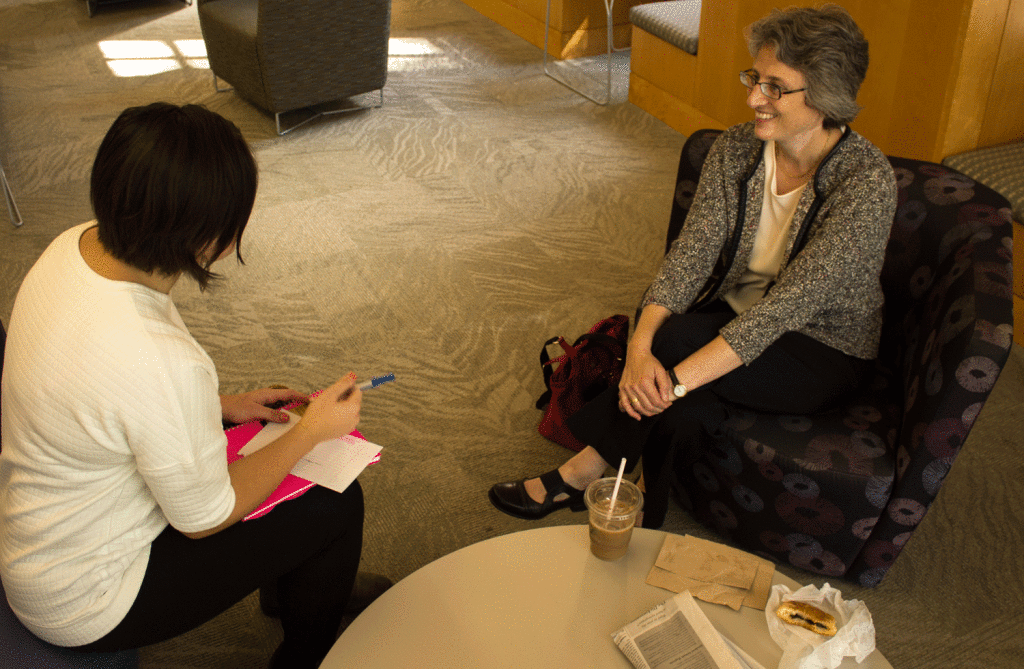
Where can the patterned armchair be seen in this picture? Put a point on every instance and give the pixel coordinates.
(839, 493)
(283, 56)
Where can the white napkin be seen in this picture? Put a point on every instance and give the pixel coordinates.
(802, 648)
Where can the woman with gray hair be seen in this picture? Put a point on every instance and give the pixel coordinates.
(770, 296)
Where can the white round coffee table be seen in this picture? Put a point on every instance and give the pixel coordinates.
(530, 599)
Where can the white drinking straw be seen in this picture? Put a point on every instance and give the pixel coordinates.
(615, 490)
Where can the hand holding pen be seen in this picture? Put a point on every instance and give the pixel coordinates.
(366, 385)
(337, 407)
(334, 412)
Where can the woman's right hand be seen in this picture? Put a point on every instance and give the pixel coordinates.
(334, 412)
(331, 414)
(641, 385)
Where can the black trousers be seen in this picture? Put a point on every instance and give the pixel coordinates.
(794, 375)
(308, 546)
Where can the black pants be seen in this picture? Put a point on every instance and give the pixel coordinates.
(795, 375)
(309, 546)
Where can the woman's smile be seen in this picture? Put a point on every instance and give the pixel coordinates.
(788, 118)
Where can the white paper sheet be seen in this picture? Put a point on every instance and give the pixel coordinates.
(333, 464)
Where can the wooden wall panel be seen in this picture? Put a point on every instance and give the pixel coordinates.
(879, 94)
(667, 107)
(722, 55)
(978, 60)
(926, 76)
(1004, 114)
(512, 17)
(662, 64)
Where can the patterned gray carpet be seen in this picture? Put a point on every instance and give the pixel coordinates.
(444, 237)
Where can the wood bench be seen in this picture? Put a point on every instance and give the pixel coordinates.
(663, 63)
(578, 27)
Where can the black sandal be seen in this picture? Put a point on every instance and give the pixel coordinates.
(511, 497)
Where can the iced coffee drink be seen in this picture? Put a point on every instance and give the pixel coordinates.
(611, 528)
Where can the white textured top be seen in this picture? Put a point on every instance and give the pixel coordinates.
(770, 241)
(111, 429)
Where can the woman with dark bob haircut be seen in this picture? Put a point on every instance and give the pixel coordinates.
(119, 512)
(770, 297)
(167, 183)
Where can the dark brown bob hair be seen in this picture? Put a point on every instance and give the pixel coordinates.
(171, 184)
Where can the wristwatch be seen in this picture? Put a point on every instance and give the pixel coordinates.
(678, 389)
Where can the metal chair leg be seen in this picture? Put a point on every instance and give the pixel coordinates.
(216, 86)
(12, 206)
(609, 5)
(316, 115)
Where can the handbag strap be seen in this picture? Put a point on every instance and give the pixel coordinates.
(601, 338)
(545, 365)
(614, 346)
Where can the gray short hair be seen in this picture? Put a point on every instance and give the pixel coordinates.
(826, 46)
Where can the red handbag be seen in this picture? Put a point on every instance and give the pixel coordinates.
(584, 370)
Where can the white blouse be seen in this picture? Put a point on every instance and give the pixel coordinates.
(770, 240)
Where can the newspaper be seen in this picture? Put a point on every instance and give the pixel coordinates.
(677, 635)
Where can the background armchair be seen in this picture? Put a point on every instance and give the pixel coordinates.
(283, 56)
(839, 493)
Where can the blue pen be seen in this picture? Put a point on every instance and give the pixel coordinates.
(376, 381)
(366, 385)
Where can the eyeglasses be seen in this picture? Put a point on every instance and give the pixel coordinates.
(749, 79)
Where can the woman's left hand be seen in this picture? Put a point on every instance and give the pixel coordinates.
(642, 387)
(252, 405)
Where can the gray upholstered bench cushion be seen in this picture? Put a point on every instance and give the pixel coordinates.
(1001, 168)
(676, 22)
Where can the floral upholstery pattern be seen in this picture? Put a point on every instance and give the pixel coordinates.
(839, 493)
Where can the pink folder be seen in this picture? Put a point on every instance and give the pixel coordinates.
(292, 486)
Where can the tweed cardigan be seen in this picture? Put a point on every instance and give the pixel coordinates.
(828, 286)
